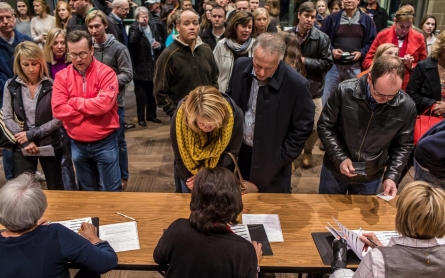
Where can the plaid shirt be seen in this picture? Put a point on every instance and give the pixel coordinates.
(302, 38)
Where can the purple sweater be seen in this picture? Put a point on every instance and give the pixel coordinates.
(60, 65)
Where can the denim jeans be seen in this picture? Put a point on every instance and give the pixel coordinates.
(122, 144)
(184, 187)
(68, 174)
(330, 185)
(8, 165)
(97, 164)
(337, 74)
(420, 174)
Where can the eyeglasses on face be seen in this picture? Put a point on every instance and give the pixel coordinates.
(82, 55)
(388, 97)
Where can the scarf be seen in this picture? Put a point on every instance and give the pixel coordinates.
(201, 149)
(395, 41)
(238, 48)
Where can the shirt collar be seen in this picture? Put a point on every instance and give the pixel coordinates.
(116, 17)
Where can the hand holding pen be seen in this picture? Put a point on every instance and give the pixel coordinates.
(89, 232)
(371, 240)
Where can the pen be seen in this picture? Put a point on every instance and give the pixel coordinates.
(81, 228)
(373, 243)
(126, 216)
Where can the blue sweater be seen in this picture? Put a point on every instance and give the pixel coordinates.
(430, 150)
(45, 251)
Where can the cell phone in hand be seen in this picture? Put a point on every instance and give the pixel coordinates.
(359, 168)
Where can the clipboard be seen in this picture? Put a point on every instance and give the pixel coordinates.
(323, 241)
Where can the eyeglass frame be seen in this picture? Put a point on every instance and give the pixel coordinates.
(83, 53)
(388, 97)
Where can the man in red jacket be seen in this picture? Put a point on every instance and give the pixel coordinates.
(84, 99)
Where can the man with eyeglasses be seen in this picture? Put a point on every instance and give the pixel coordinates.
(9, 39)
(116, 25)
(84, 99)
(367, 129)
(80, 10)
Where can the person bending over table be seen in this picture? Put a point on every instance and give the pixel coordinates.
(416, 252)
(32, 247)
(205, 127)
(204, 245)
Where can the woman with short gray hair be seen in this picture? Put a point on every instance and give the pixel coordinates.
(32, 247)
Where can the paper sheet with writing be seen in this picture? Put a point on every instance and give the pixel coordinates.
(44, 151)
(74, 224)
(352, 238)
(121, 236)
(271, 224)
(242, 230)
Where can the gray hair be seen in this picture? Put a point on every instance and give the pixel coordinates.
(179, 14)
(117, 3)
(270, 43)
(22, 203)
(4, 6)
(140, 10)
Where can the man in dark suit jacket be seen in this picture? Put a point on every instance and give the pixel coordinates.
(278, 114)
(116, 25)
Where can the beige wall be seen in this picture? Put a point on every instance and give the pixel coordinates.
(437, 8)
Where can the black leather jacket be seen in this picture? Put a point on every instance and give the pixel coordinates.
(383, 137)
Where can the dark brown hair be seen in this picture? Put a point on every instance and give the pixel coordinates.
(292, 54)
(77, 35)
(240, 17)
(387, 65)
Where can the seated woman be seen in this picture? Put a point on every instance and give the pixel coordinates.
(427, 83)
(261, 21)
(416, 252)
(204, 245)
(27, 98)
(386, 49)
(237, 43)
(205, 125)
(31, 247)
(428, 24)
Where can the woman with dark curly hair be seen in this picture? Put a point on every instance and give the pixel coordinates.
(198, 246)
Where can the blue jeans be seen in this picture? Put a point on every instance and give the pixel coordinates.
(420, 174)
(330, 185)
(337, 74)
(184, 187)
(122, 144)
(68, 174)
(8, 165)
(97, 164)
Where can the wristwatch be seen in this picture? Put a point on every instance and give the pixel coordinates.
(99, 242)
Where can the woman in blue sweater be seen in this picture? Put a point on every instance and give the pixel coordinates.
(30, 247)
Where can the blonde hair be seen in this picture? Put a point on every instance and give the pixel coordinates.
(50, 39)
(381, 49)
(438, 46)
(59, 22)
(421, 211)
(274, 7)
(45, 7)
(95, 14)
(31, 51)
(327, 12)
(208, 103)
(257, 12)
(405, 13)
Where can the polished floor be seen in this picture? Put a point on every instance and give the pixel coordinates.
(151, 168)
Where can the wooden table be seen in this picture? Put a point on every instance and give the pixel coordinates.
(300, 214)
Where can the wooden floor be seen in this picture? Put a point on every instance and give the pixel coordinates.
(151, 168)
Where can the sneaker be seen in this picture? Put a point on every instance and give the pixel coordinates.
(307, 160)
(40, 176)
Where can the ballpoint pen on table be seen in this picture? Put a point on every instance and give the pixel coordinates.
(126, 216)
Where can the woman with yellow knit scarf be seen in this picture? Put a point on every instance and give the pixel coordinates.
(206, 125)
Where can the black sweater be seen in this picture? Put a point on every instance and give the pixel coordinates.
(189, 253)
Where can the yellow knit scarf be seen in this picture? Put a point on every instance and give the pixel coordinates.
(202, 149)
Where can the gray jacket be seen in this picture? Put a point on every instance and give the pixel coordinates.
(115, 55)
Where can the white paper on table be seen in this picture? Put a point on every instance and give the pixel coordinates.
(47, 150)
(383, 236)
(271, 224)
(121, 236)
(74, 224)
(242, 230)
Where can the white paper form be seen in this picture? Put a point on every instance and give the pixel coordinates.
(271, 224)
(74, 225)
(44, 151)
(242, 230)
(383, 236)
(121, 236)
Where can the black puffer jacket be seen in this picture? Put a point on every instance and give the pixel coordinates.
(349, 128)
(140, 52)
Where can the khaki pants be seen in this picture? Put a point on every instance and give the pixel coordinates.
(310, 142)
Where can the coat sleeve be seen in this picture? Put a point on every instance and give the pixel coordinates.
(59, 102)
(34, 34)
(124, 66)
(105, 99)
(162, 79)
(324, 62)
(367, 62)
(234, 145)
(420, 54)
(370, 36)
(400, 149)
(8, 111)
(414, 88)
(328, 129)
(43, 130)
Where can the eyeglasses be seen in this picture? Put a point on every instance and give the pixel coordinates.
(388, 97)
(125, 9)
(82, 55)
(8, 18)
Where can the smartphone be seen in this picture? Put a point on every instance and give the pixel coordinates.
(359, 168)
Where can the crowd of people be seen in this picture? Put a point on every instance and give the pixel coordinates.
(233, 83)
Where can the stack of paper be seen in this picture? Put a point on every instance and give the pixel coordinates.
(271, 224)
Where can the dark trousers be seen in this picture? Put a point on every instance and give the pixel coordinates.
(145, 101)
(51, 165)
(245, 160)
(68, 174)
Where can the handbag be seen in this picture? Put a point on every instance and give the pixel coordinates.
(246, 186)
(424, 122)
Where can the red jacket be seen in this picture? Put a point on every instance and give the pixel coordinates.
(416, 48)
(86, 105)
